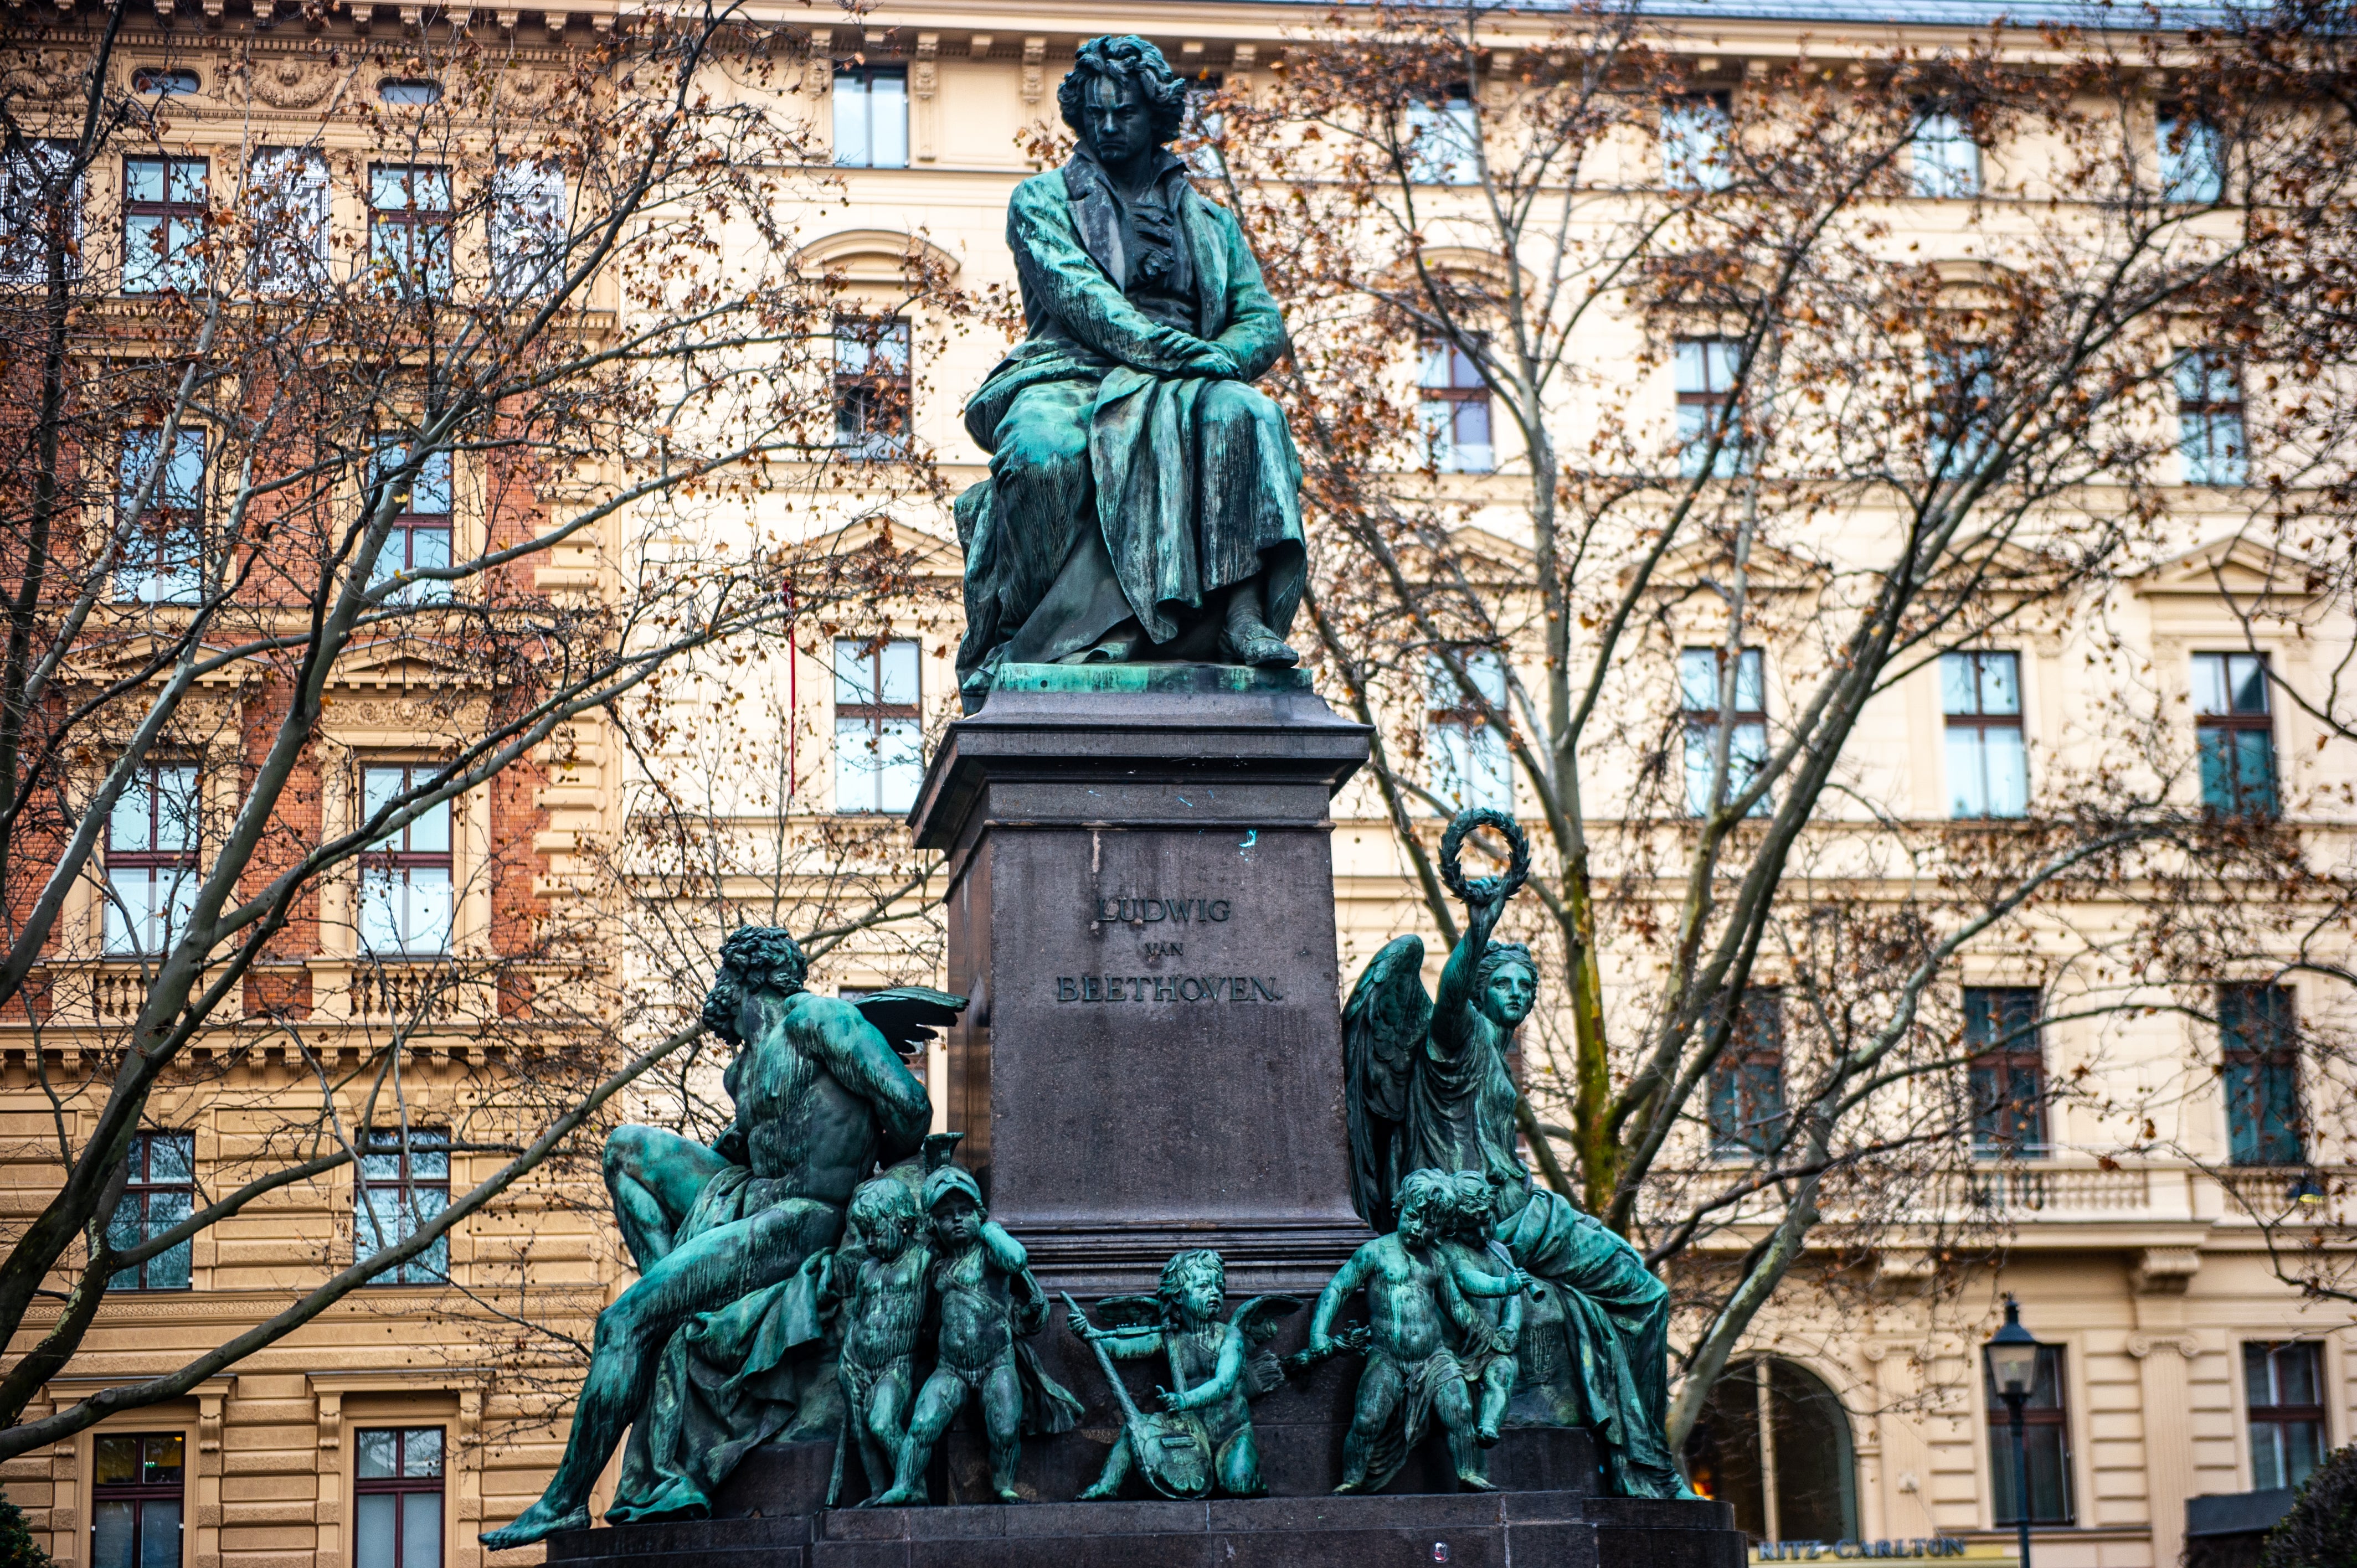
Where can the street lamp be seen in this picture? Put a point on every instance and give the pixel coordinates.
(2013, 1362)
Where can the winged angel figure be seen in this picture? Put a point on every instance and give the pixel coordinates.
(1428, 1088)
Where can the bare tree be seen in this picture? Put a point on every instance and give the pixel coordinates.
(1767, 456)
(362, 483)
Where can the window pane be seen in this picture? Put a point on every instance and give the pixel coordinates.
(427, 927)
(1694, 150)
(379, 788)
(377, 1453)
(901, 764)
(422, 1451)
(856, 762)
(2006, 767)
(430, 833)
(897, 667)
(110, 1535)
(131, 824)
(855, 673)
(888, 122)
(2246, 677)
(421, 1529)
(851, 141)
(1750, 682)
(1944, 160)
(2254, 770)
(168, 1270)
(1698, 679)
(2000, 685)
(1968, 792)
(372, 1530)
(160, 1458)
(171, 1156)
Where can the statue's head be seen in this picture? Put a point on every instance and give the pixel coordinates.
(752, 959)
(1427, 1202)
(1507, 983)
(955, 1201)
(884, 1216)
(1193, 1286)
(1474, 1197)
(1121, 97)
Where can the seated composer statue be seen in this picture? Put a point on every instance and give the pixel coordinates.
(1144, 500)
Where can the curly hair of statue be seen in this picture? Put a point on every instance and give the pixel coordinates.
(751, 957)
(1452, 843)
(1185, 1268)
(1127, 59)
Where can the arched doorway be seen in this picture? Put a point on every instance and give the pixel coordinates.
(1773, 1440)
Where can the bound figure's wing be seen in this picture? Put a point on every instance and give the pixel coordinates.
(1383, 1026)
(907, 1014)
(1256, 1320)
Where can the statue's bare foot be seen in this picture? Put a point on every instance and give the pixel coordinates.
(1100, 1493)
(912, 1496)
(1009, 1495)
(537, 1522)
(1351, 1484)
(1473, 1482)
(1251, 642)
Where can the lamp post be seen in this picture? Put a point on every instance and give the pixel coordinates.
(2013, 1362)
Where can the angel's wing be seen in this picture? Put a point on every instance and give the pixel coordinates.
(1383, 1026)
(1256, 1319)
(1129, 1312)
(907, 1016)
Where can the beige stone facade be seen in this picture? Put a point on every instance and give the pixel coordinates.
(2146, 1273)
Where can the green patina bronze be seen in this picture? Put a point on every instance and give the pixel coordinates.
(1216, 1367)
(986, 1304)
(1428, 1090)
(1144, 500)
(1421, 1325)
(721, 1344)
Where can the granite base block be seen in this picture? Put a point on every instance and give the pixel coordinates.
(1526, 1530)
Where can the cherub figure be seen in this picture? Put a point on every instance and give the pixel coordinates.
(879, 1279)
(1215, 1367)
(1491, 1327)
(1412, 1374)
(989, 1303)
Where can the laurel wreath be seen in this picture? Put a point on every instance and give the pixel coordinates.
(1489, 888)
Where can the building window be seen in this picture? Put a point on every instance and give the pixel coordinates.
(2046, 1431)
(286, 199)
(873, 388)
(2007, 1071)
(526, 227)
(419, 537)
(1701, 683)
(411, 92)
(161, 1193)
(135, 1498)
(409, 228)
(1988, 767)
(163, 540)
(1942, 159)
(402, 1188)
(879, 744)
(2192, 157)
(1704, 369)
(2209, 432)
(1697, 141)
(397, 1505)
(1774, 1442)
(2234, 733)
(164, 215)
(164, 84)
(405, 876)
(1443, 142)
(2284, 1385)
(1746, 1081)
(871, 116)
(1454, 405)
(40, 212)
(1470, 767)
(151, 860)
(2258, 1039)
(1964, 410)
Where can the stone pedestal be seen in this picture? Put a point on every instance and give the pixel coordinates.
(1141, 906)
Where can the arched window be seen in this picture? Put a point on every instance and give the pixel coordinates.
(1774, 1441)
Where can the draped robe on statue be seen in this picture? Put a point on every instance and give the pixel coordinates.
(1124, 482)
